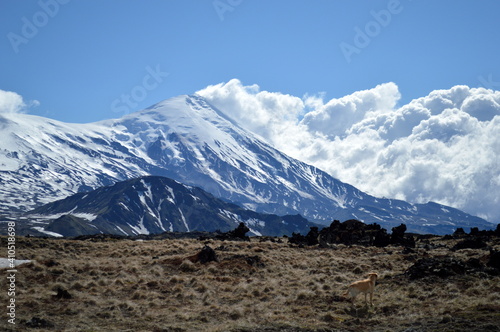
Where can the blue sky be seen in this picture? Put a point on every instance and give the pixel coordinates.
(387, 95)
(81, 59)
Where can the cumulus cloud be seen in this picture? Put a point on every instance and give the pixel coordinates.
(11, 102)
(260, 111)
(442, 147)
(337, 116)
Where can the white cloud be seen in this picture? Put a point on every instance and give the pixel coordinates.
(337, 116)
(11, 102)
(442, 147)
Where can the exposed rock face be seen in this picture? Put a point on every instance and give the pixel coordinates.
(154, 205)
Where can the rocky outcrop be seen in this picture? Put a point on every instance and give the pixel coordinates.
(354, 232)
(445, 267)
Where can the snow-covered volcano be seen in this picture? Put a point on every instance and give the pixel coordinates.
(187, 139)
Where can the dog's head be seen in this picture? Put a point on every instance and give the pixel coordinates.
(373, 276)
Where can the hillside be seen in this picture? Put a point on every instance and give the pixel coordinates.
(151, 205)
(265, 284)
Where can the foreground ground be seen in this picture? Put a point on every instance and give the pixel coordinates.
(125, 285)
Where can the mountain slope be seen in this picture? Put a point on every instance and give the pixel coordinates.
(153, 204)
(186, 139)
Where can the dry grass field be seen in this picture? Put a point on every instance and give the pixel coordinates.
(126, 285)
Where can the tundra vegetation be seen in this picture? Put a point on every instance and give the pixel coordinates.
(105, 283)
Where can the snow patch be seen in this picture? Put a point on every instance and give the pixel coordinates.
(42, 230)
(140, 228)
(6, 263)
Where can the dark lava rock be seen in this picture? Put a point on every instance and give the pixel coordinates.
(236, 234)
(297, 238)
(39, 323)
(310, 239)
(352, 232)
(206, 255)
(398, 237)
(443, 267)
(470, 243)
(494, 260)
(62, 294)
(312, 236)
(251, 260)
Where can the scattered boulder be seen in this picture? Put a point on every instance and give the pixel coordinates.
(382, 239)
(312, 236)
(440, 267)
(62, 294)
(474, 231)
(204, 256)
(297, 239)
(445, 267)
(250, 260)
(459, 232)
(39, 323)
(398, 233)
(207, 255)
(50, 263)
(470, 243)
(494, 260)
(398, 237)
(237, 234)
(310, 239)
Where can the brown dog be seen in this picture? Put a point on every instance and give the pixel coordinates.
(362, 286)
